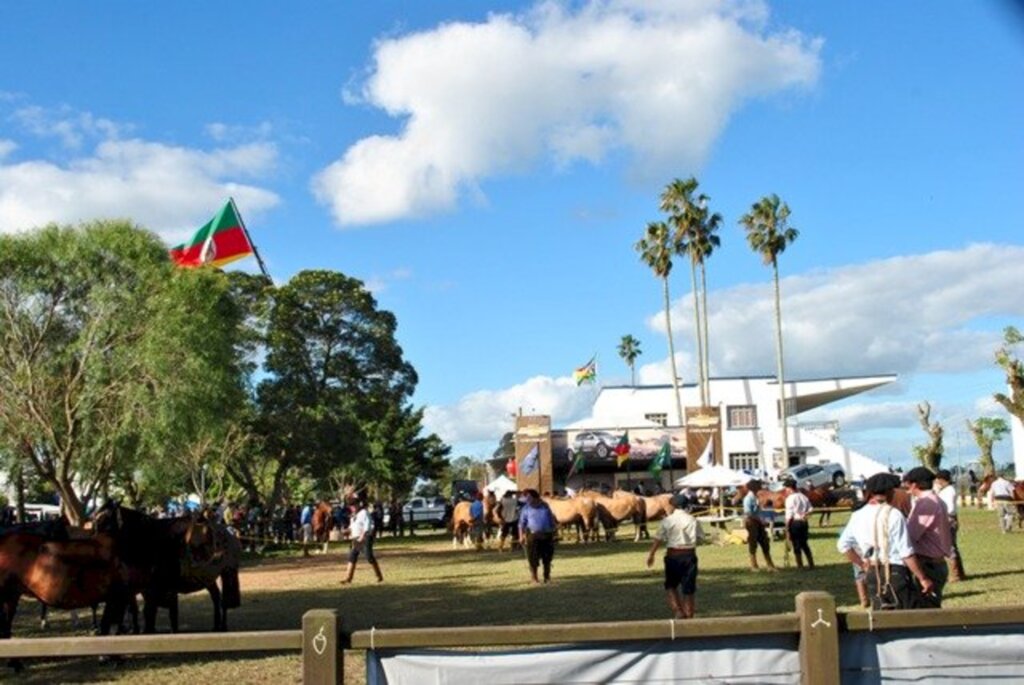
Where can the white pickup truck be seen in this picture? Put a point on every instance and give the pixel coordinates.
(429, 511)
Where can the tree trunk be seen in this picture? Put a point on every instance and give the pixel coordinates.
(696, 330)
(672, 353)
(704, 312)
(780, 375)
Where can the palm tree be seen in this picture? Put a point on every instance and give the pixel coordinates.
(629, 350)
(656, 249)
(694, 235)
(677, 202)
(768, 233)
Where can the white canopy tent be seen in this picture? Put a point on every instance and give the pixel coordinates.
(713, 476)
(500, 485)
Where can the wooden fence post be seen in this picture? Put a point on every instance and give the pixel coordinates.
(819, 638)
(322, 657)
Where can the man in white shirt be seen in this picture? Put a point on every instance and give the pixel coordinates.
(947, 493)
(680, 532)
(361, 533)
(1002, 495)
(876, 540)
(798, 507)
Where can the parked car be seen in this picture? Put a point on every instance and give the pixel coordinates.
(598, 444)
(430, 511)
(815, 474)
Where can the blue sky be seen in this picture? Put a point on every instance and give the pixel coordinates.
(485, 168)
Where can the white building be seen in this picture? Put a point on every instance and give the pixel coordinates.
(749, 434)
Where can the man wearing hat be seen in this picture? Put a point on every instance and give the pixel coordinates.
(928, 527)
(876, 540)
(947, 493)
(757, 533)
(680, 532)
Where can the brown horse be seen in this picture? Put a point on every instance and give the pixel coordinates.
(164, 557)
(66, 574)
(613, 510)
(1018, 494)
(323, 522)
(580, 512)
(656, 507)
(462, 522)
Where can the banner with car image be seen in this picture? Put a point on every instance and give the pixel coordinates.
(597, 445)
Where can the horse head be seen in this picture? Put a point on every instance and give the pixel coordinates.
(108, 518)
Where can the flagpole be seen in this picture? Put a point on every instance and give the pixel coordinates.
(255, 252)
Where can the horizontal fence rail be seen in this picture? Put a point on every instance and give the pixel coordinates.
(816, 623)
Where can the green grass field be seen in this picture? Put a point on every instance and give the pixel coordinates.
(430, 584)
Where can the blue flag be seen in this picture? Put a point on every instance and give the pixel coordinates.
(530, 460)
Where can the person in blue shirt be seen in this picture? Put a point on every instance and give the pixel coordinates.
(306, 523)
(537, 534)
(476, 525)
(757, 533)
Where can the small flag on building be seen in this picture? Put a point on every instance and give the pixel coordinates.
(531, 459)
(577, 465)
(511, 467)
(586, 373)
(661, 460)
(707, 457)
(622, 449)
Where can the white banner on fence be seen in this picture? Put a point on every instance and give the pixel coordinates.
(971, 655)
(769, 659)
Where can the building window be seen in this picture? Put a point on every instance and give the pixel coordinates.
(742, 416)
(744, 461)
(660, 419)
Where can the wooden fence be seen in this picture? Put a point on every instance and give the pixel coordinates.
(815, 622)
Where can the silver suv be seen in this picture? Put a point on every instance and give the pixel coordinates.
(815, 475)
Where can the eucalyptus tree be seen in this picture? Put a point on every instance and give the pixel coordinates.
(1013, 367)
(987, 431)
(930, 455)
(769, 233)
(629, 350)
(656, 249)
(99, 335)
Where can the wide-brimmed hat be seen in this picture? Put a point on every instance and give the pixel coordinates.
(881, 483)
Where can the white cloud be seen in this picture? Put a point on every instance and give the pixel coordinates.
(923, 313)
(561, 84)
(7, 147)
(380, 282)
(486, 415)
(70, 126)
(167, 188)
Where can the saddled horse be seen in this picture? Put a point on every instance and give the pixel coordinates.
(580, 512)
(167, 557)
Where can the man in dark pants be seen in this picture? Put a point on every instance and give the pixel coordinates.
(929, 531)
(757, 534)
(508, 513)
(537, 534)
(798, 507)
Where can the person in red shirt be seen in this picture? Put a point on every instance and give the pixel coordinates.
(929, 531)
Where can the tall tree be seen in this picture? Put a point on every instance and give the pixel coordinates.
(629, 350)
(929, 455)
(678, 201)
(82, 373)
(333, 403)
(769, 233)
(656, 249)
(987, 431)
(1013, 367)
(695, 230)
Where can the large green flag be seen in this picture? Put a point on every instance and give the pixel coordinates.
(662, 459)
